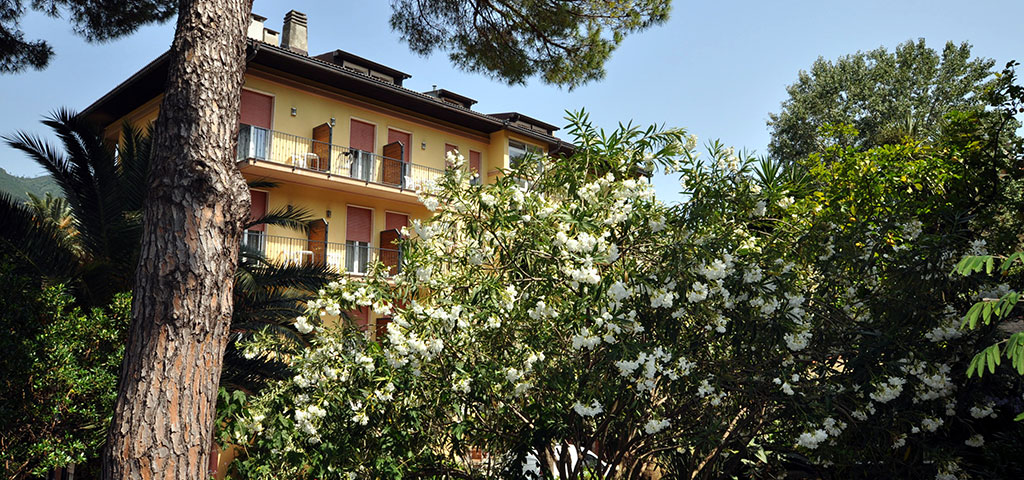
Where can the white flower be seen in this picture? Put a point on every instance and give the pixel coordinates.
(487, 199)
(657, 224)
(810, 440)
(654, 426)
(302, 325)
(760, 208)
(889, 390)
(698, 292)
(593, 409)
(975, 441)
(932, 424)
(786, 202)
(618, 292)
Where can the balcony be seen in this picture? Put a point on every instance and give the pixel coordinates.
(351, 257)
(335, 161)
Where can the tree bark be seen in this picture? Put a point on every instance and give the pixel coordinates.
(163, 419)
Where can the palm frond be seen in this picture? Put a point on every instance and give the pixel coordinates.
(295, 218)
(262, 183)
(40, 246)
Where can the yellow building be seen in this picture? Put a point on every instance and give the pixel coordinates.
(343, 138)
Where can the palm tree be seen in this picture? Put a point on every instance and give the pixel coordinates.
(105, 189)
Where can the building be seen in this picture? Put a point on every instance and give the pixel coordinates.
(343, 138)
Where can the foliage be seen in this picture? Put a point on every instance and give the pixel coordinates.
(886, 96)
(566, 42)
(94, 20)
(797, 317)
(60, 376)
(997, 305)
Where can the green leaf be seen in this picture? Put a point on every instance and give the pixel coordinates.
(971, 319)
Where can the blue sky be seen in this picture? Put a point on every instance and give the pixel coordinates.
(716, 68)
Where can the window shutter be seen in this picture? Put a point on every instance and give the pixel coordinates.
(359, 224)
(395, 221)
(256, 109)
(258, 208)
(362, 136)
(474, 161)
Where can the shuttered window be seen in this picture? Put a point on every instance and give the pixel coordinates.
(256, 109)
(258, 208)
(474, 161)
(359, 224)
(362, 136)
(395, 221)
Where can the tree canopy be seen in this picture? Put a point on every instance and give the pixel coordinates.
(95, 20)
(566, 42)
(884, 95)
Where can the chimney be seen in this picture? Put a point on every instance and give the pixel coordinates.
(255, 31)
(293, 35)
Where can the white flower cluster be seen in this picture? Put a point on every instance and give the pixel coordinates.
(591, 410)
(654, 426)
(931, 424)
(717, 269)
(811, 440)
(520, 384)
(541, 311)
(888, 390)
(405, 347)
(302, 325)
(304, 419)
(655, 364)
(986, 410)
(976, 441)
(912, 229)
(934, 384)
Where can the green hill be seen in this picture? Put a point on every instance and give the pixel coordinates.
(18, 186)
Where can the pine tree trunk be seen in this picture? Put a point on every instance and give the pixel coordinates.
(163, 418)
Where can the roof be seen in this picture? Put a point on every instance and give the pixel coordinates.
(150, 82)
(442, 94)
(339, 56)
(516, 116)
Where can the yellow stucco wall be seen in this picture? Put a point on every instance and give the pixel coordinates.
(427, 141)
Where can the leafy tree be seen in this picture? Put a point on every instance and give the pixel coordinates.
(60, 374)
(567, 42)
(95, 20)
(884, 95)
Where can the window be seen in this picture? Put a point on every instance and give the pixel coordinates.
(474, 167)
(361, 158)
(517, 151)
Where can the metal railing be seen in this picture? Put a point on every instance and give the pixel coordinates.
(348, 257)
(301, 152)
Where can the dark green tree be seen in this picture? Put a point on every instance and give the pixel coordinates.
(95, 20)
(884, 95)
(566, 42)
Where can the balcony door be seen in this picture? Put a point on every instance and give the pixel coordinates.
(318, 241)
(396, 158)
(358, 224)
(255, 236)
(362, 137)
(390, 254)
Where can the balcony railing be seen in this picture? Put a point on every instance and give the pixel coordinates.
(349, 257)
(306, 153)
